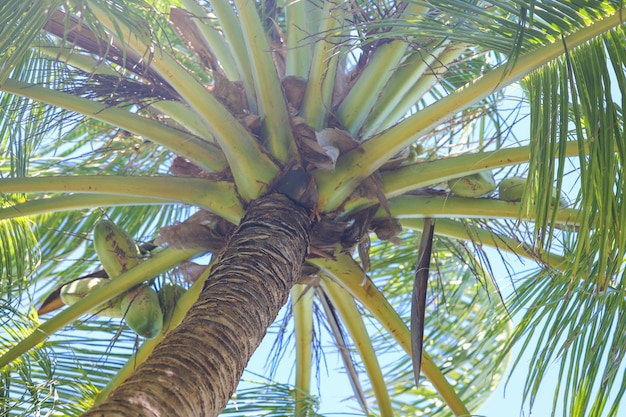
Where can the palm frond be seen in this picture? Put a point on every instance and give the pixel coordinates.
(21, 24)
(19, 257)
(577, 100)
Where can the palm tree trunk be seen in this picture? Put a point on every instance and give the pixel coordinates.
(195, 369)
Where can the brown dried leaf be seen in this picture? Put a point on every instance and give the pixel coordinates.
(371, 187)
(337, 138)
(252, 122)
(326, 235)
(185, 168)
(359, 228)
(309, 148)
(279, 58)
(191, 271)
(231, 93)
(296, 183)
(387, 228)
(294, 88)
(184, 24)
(202, 230)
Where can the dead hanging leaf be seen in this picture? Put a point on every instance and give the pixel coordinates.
(418, 298)
(338, 138)
(294, 88)
(309, 148)
(359, 226)
(387, 228)
(371, 187)
(191, 271)
(364, 252)
(296, 183)
(185, 168)
(202, 230)
(231, 93)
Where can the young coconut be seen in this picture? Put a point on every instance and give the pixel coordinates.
(116, 249)
(78, 289)
(474, 185)
(142, 311)
(512, 189)
(169, 295)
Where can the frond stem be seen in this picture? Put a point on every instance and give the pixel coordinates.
(269, 94)
(217, 197)
(201, 152)
(302, 306)
(347, 273)
(353, 320)
(457, 230)
(425, 174)
(358, 164)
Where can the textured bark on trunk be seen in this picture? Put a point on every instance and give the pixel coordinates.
(195, 369)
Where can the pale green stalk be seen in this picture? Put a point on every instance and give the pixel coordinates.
(152, 267)
(189, 120)
(385, 62)
(355, 108)
(469, 233)
(73, 202)
(302, 307)
(410, 97)
(424, 174)
(201, 152)
(301, 15)
(401, 82)
(321, 79)
(271, 105)
(255, 170)
(180, 311)
(214, 38)
(409, 206)
(347, 273)
(353, 320)
(178, 111)
(231, 27)
(218, 197)
(83, 62)
(360, 163)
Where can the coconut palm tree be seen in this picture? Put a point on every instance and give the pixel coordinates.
(304, 145)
